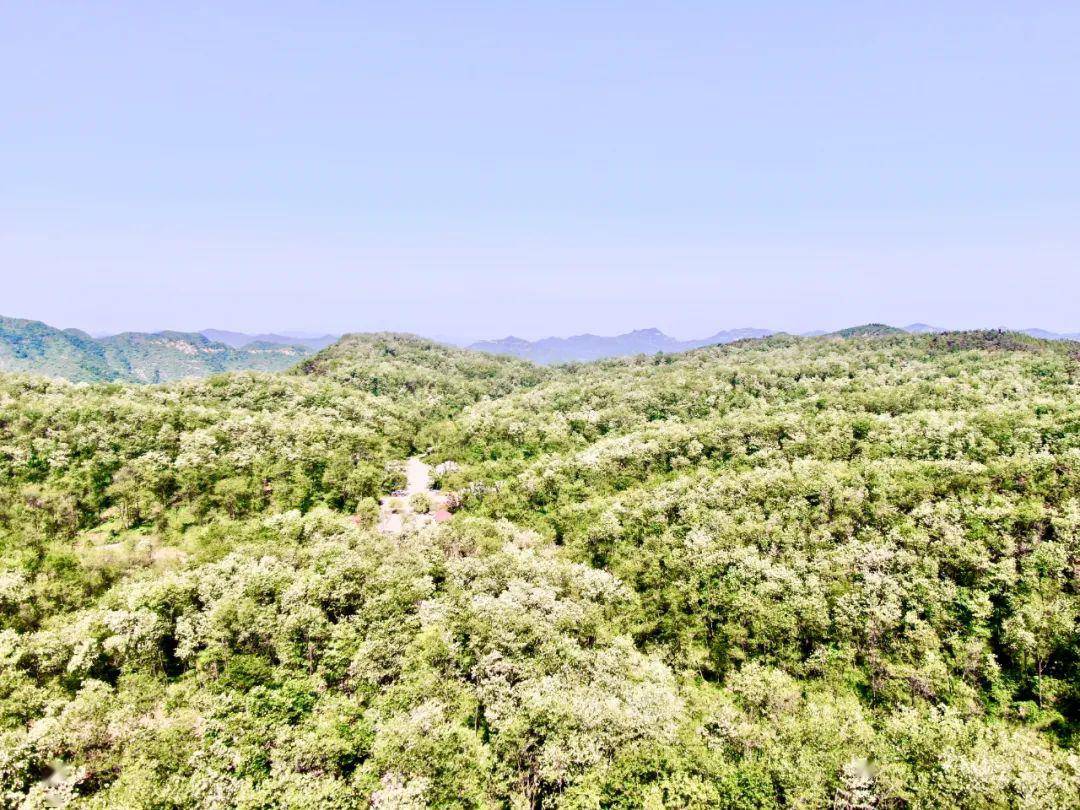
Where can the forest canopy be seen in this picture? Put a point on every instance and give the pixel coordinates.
(829, 572)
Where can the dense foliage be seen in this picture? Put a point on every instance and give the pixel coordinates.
(781, 573)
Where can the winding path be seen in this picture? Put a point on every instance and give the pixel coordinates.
(417, 475)
(417, 479)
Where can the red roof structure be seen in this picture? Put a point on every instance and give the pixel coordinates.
(442, 516)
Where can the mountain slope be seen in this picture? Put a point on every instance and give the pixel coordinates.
(33, 347)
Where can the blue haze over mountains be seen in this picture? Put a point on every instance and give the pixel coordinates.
(239, 340)
(595, 347)
(35, 347)
(583, 348)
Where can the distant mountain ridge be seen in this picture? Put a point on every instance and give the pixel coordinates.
(1045, 335)
(34, 347)
(583, 348)
(924, 329)
(239, 340)
(587, 347)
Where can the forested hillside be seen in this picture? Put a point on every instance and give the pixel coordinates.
(829, 572)
(70, 354)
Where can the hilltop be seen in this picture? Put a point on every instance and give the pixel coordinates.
(409, 368)
(867, 330)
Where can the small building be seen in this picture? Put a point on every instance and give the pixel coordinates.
(442, 516)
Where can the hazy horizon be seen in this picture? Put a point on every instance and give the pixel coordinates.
(464, 339)
(540, 169)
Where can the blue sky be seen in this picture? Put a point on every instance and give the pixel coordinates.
(540, 168)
